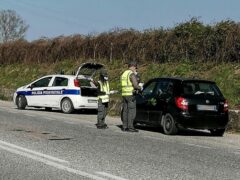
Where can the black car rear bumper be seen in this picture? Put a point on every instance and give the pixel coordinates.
(196, 121)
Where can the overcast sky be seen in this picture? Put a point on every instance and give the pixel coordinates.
(52, 18)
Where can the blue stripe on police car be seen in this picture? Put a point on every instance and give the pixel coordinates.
(49, 92)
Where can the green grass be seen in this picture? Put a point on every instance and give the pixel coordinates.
(3, 97)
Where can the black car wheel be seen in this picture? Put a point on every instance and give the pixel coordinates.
(67, 106)
(217, 132)
(21, 102)
(169, 125)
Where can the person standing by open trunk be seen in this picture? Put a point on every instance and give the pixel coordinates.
(103, 100)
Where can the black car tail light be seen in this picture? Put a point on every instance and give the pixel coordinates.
(76, 83)
(181, 103)
(225, 106)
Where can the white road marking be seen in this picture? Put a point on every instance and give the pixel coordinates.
(196, 145)
(110, 176)
(32, 152)
(10, 148)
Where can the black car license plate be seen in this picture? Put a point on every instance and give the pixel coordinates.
(206, 108)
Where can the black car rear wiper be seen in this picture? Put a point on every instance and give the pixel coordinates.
(210, 92)
(201, 92)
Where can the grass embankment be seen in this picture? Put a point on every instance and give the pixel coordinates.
(227, 76)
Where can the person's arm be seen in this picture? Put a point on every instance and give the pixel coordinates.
(134, 81)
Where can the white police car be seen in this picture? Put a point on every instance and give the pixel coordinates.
(64, 92)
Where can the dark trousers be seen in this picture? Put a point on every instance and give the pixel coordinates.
(128, 111)
(102, 113)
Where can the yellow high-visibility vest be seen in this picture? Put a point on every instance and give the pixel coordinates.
(127, 87)
(104, 87)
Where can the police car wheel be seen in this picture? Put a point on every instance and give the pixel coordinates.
(21, 102)
(67, 106)
(169, 125)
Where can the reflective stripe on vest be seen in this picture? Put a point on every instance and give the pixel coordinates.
(127, 87)
(104, 87)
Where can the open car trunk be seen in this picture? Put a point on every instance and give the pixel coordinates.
(88, 88)
(87, 77)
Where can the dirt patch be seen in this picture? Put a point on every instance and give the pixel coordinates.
(234, 121)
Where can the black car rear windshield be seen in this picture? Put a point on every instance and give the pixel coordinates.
(198, 88)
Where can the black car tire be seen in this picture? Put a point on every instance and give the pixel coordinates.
(21, 102)
(67, 106)
(217, 132)
(169, 125)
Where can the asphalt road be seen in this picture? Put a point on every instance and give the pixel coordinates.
(35, 144)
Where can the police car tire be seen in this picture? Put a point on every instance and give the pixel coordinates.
(21, 102)
(67, 102)
(169, 125)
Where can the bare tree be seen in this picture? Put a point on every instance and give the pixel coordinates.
(12, 26)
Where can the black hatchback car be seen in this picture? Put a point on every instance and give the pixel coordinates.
(175, 103)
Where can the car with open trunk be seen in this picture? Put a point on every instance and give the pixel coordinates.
(64, 92)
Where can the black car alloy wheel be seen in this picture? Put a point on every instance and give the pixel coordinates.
(169, 125)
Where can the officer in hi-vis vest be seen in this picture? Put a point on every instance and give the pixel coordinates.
(103, 100)
(129, 84)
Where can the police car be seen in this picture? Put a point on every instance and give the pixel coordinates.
(64, 92)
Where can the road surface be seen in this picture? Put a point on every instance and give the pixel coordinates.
(36, 144)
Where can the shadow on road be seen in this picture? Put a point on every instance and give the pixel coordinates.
(82, 111)
(182, 132)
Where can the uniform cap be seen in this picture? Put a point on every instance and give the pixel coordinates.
(132, 63)
(103, 73)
